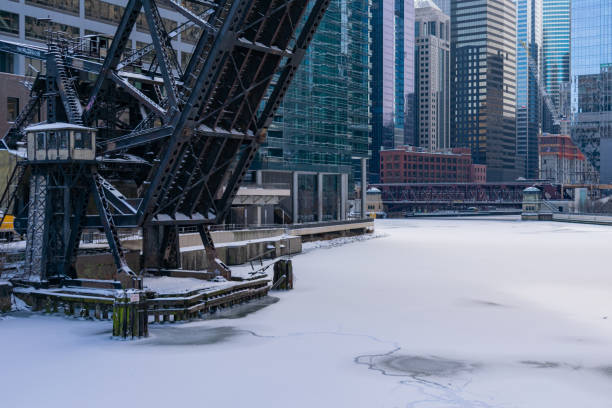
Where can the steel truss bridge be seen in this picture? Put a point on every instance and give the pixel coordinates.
(181, 138)
(439, 196)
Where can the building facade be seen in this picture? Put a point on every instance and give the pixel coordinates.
(483, 83)
(562, 162)
(556, 58)
(591, 76)
(392, 75)
(528, 76)
(432, 76)
(322, 127)
(409, 164)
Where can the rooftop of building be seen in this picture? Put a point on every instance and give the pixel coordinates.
(56, 125)
(455, 151)
(425, 4)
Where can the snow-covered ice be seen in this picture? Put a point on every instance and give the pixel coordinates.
(435, 313)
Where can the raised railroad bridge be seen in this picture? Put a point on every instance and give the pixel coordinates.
(171, 142)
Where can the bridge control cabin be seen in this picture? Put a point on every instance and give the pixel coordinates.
(60, 142)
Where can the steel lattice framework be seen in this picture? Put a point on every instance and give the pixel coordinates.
(182, 136)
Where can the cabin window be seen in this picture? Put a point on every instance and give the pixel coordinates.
(51, 141)
(63, 139)
(82, 140)
(40, 140)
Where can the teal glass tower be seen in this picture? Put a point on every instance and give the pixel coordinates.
(556, 57)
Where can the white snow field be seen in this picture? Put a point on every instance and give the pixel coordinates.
(437, 313)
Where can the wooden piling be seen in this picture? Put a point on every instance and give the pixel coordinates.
(130, 315)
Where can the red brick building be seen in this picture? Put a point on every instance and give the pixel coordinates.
(410, 164)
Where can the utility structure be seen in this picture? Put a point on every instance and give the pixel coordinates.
(180, 138)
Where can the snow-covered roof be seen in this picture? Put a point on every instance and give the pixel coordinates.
(425, 3)
(56, 125)
(122, 158)
(373, 190)
(531, 190)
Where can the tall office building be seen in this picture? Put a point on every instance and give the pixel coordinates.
(483, 83)
(322, 126)
(556, 58)
(432, 75)
(591, 73)
(528, 74)
(392, 77)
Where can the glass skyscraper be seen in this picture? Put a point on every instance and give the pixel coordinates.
(591, 71)
(528, 72)
(392, 77)
(556, 57)
(323, 124)
(483, 83)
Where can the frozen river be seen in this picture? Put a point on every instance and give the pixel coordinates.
(436, 313)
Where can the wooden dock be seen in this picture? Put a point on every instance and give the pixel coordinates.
(105, 303)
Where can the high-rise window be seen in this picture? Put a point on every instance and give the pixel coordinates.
(7, 62)
(36, 29)
(64, 6)
(9, 22)
(12, 108)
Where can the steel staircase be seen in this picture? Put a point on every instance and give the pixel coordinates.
(69, 95)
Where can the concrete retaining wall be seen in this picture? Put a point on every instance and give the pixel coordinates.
(240, 252)
(233, 247)
(102, 265)
(584, 218)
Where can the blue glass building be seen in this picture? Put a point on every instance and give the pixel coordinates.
(528, 71)
(556, 56)
(392, 77)
(591, 71)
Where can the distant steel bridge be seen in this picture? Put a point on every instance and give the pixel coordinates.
(398, 197)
